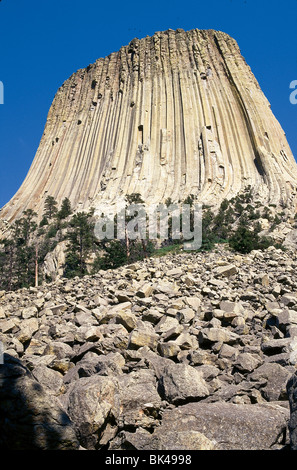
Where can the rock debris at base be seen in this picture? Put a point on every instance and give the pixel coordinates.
(194, 351)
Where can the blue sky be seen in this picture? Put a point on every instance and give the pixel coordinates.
(43, 42)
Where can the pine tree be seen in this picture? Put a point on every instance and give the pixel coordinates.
(246, 239)
(208, 236)
(7, 249)
(132, 246)
(65, 210)
(28, 225)
(19, 251)
(25, 265)
(114, 255)
(81, 239)
(222, 221)
(50, 207)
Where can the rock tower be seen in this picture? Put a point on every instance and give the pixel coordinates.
(170, 115)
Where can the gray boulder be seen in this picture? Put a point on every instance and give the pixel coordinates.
(91, 405)
(180, 383)
(228, 426)
(272, 379)
(170, 440)
(99, 405)
(31, 417)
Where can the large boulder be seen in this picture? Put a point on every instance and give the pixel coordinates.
(227, 426)
(99, 405)
(92, 407)
(181, 383)
(272, 379)
(31, 418)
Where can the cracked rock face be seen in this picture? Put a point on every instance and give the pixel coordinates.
(170, 115)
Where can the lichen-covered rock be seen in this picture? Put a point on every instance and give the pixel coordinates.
(229, 426)
(99, 402)
(91, 404)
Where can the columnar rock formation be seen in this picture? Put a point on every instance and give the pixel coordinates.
(170, 115)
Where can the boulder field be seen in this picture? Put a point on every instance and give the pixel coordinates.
(192, 351)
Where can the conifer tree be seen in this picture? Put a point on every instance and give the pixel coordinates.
(65, 210)
(114, 255)
(21, 251)
(7, 258)
(81, 239)
(135, 249)
(50, 207)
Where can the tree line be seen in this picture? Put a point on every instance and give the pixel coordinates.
(23, 252)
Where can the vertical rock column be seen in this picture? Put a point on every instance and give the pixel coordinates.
(170, 115)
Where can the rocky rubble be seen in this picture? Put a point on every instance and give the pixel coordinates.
(190, 351)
